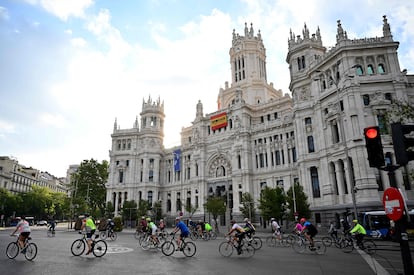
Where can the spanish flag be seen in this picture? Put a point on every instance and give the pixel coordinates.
(218, 121)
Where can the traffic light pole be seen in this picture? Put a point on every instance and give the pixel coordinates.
(401, 227)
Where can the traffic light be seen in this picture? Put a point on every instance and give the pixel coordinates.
(403, 142)
(374, 146)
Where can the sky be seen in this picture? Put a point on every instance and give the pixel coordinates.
(68, 69)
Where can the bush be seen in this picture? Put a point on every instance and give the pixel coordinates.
(118, 224)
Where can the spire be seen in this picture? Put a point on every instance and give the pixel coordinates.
(386, 28)
(246, 30)
(318, 35)
(251, 33)
(115, 125)
(305, 32)
(136, 122)
(199, 113)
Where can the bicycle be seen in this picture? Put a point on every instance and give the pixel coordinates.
(329, 240)
(148, 242)
(227, 247)
(99, 247)
(301, 244)
(108, 233)
(275, 239)
(50, 232)
(367, 246)
(29, 250)
(254, 241)
(187, 247)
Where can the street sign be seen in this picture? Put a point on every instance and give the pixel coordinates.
(393, 203)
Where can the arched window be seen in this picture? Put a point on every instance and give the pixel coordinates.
(359, 70)
(381, 68)
(316, 192)
(370, 69)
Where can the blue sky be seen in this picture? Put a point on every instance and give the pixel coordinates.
(69, 68)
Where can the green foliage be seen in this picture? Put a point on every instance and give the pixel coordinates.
(190, 209)
(88, 185)
(302, 206)
(247, 206)
(109, 210)
(157, 211)
(129, 210)
(272, 203)
(216, 206)
(143, 208)
(118, 224)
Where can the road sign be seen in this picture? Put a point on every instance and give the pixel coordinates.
(393, 203)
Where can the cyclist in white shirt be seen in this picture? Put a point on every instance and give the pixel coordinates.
(24, 231)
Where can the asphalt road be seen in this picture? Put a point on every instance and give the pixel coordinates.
(124, 256)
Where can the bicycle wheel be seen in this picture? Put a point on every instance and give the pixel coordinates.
(327, 241)
(100, 248)
(168, 248)
(290, 239)
(193, 236)
(145, 243)
(78, 247)
(320, 247)
(189, 249)
(370, 247)
(247, 251)
(137, 235)
(299, 246)
(205, 236)
(113, 236)
(49, 233)
(256, 243)
(103, 235)
(213, 235)
(226, 249)
(347, 246)
(271, 241)
(31, 251)
(12, 250)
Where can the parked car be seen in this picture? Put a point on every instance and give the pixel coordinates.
(41, 223)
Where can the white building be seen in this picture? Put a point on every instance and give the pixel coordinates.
(261, 137)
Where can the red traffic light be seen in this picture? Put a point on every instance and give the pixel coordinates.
(371, 133)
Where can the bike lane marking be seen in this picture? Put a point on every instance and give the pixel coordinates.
(118, 249)
(372, 262)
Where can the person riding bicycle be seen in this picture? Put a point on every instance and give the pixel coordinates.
(110, 225)
(249, 228)
(180, 225)
(52, 225)
(333, 232)
(208, 227)
(142, 226)
(309, 231)
(161, 225)
(239, 234)
(89, 226)
(152, 230)
(359, 232)
(275, 228)
(24, 231)
(298, 228)
(200, 227)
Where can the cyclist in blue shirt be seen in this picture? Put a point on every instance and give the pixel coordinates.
(309, 230)
(180, 225)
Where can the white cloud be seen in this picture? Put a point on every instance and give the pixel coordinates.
(6, 128)
(55, 120)
(4, 15)
(78, 42)
(63, 9)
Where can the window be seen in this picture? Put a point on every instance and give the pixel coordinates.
(335, 133)
(370, 69)
(381, 68)
(311, 146)
(315, 182)
(151, 175)
(121, 176)
(277, 155)
(239, 161)
(294, 157)
(308, 121)
(359, 70)
(365, 99)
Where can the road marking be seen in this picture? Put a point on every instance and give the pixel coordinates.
(375, 266)
(118, 249)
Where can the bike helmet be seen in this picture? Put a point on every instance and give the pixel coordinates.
(148, 219)
(355, 221)
(246, 219)
(302, 220)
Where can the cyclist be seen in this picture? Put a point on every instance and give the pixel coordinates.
(152, 230)
(208, 227)
(200, 227)
(180, 225)
(298, 228)
(309, 230)
(142, 227)
(110, 225)
(249, 228)
(24, 231)
(333, 232)
(161, 225)
(239, 235)
(89, 226)
(359, 232)
(276, 228)
(52, 225)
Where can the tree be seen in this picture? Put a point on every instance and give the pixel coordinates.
(190, 209)
(302, 206)
(216, 206)
(247, 207)
(143, 208)
(88, 185)
(272, 203)
(157, 210)
(109, 210)
(129, 211)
